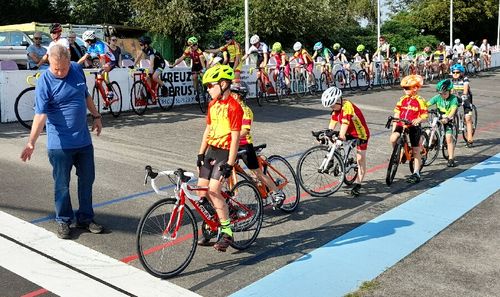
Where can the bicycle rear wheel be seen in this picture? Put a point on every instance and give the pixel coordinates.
(363, 80)
(392, 167)
(283, 175)
(115, 106)
(424, 140)
(161, 254)
(259, 94)
(314, 181)
(139, 97)
(246, 213)
(24, 107)
(474, 122)
(351, 167)
(166, 97)
(352, 80)
(340, 79)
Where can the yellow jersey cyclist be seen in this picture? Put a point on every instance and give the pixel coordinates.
(304, 60)
(352, 125)
(233, 50)
(362, 57)
(156, 62)
(439, 58)
(198, 62)
(324, 55)
(219, 145)
(250, 157)
(413, 108)
(461, 86)
(447, 104)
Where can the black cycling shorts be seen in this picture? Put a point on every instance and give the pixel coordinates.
(415, 133)
(214, 158)
(196, 68)
(250, 157)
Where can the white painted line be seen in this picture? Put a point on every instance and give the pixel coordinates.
(64, 281)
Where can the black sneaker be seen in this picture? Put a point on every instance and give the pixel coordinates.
(355, 191)
(469, 144)
(413, 179)
(451, 163)
(92, 227)
(204, 241)
(223, 243)
(63, 231)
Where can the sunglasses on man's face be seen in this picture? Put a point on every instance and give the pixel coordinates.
(114, 39)
(211, 85)
(37, 38)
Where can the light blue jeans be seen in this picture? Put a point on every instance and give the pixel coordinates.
(62, 161)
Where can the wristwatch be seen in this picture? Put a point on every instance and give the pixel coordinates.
(95, 117)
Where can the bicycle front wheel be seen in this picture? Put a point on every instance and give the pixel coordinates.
(166, 95)
(246, 213)
(363, 80)
(164, 253)
(139, 97)
(424, 140)
(203, 97)
(115, 105)
(283, 175)
(351, 167)
(24, 107)
(432, 146)
(340, 80)
(316, 181)
(259, 94)
(392, 167)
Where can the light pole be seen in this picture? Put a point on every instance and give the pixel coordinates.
(246, 29)
(451, 22)
(498, 31)
(378, 27)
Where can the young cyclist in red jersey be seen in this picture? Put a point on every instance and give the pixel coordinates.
(304, 59)
(281, 62)
(352, 125)
(198, 62)
(413, 108)
(219, 145)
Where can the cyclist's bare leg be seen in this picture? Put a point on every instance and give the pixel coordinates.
(195, 82)
(361, 160)
(218, 201)
(265, 179)
(417, 158)
(450, 146)
(468, 122)
(394, 138)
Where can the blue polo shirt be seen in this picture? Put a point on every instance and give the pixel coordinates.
(64, 102)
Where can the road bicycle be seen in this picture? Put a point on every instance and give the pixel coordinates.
(345, 78)
(437, 137)
(303, 83)
(282, 89)
(326, 77)
(167, 233)
(202, 96)
(144, 94)
(110, 94)
(264, 89)
(470, 67)
(381, 76)
(279, 170)
(459, 119)
(322, 169)
(362, 76)
(24, 106)
(402, 150)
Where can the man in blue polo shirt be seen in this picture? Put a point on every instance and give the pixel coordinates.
(62, 100)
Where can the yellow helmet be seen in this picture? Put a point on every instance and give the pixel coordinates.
(218, 72)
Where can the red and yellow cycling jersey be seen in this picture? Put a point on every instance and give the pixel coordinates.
(223, 116)
(411, 108)
(233, 48)
(303, 57)
(246, 124)
(278, 56)
(351, 116)
(194, 55)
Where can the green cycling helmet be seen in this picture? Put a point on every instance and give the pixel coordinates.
(444, 85)
(217, 73)
(394, 49)
(192, 40)
(276, 47)
(412, 49)
(336, 46)
(360, 48)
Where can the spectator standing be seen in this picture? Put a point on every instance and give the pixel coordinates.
(62, 100)
(75, 50)
(115, 49)
(36, 52)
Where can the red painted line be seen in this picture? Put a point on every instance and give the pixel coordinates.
(36, 293)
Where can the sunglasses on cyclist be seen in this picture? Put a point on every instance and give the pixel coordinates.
(141, 44)
(211, 85)
(407, 88)
(456, 72)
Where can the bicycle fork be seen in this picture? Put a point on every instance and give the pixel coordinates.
(173, 223)
(326, 164)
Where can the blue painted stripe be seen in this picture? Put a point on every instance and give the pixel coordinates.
(340, 266)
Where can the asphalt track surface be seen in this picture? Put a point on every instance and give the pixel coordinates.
(460, 261)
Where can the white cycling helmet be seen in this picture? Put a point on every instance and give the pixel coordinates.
(457, 41)
(471, 43)
(331, 96)
(297, 46)
(88, 35)
(254, 39)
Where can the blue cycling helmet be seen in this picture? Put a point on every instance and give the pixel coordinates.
(458, 67)
(318, 45)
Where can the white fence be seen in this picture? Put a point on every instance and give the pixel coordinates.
(13, 82)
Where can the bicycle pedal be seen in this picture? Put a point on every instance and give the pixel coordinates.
(105, 108)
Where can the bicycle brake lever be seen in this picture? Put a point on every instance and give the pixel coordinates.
(146, 179)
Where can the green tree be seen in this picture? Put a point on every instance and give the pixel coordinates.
(101, 12)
